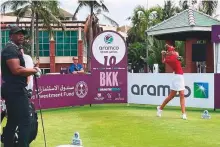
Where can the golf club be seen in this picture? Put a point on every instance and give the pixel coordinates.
(35, 78)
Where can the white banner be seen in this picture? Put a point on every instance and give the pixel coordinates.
(152, 89)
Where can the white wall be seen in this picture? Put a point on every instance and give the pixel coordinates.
(58, 59)
(6, 19)
(66, 59)
(108, 27)
(153, 91)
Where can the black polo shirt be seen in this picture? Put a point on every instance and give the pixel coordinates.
(11, 51)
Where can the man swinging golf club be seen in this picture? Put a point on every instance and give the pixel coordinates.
(172, 58)
(14, 76)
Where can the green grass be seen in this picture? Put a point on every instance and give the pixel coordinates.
(127, 126)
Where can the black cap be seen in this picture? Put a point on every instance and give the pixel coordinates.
(17, 29)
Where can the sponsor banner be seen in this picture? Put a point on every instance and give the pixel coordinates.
(109, 68)
(216, 33)
(62, 90)
(107, 82)
(217, 91)
(154, 88)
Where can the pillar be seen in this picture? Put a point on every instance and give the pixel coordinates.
(80, 46)
(52, 56)
(80, 51)
(209, 57)
(190, 67)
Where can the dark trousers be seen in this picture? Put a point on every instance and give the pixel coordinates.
(17, 105)
(3, 114)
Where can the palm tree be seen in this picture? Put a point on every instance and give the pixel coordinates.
(136, 20)
(184, 4)
(155, 47)
(45, 11)
(136, 53)
(93, 5)
(99, 12)
(142, 19)
(169, 9)
(208, 7)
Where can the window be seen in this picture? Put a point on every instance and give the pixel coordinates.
(44, 43)
(45, 70)
(4, 37)
(66, 43)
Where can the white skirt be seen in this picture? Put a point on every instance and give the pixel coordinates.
(178, 83)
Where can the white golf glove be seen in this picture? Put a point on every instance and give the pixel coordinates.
(179, 58)
(163, 52)
(38, 73)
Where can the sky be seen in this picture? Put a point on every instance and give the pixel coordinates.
(119, 10)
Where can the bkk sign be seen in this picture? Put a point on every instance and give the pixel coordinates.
(109, 68)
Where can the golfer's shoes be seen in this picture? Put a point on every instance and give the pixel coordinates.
(184, 116)
(159, 112)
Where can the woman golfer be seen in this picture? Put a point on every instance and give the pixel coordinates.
(172, 58)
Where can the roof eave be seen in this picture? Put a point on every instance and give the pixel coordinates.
(177, 30)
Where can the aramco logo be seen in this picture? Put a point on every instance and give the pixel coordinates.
(108, 39)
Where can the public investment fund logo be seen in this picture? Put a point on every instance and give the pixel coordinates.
(108, 39)
(81, 89)
(201, 90)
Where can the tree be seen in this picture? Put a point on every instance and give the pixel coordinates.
(99, 12)
(142, 20)
(184, 4)
(155, 47)
(208, 7)
(169, 10)
(93, 5)
(45, 11)
(136, 53)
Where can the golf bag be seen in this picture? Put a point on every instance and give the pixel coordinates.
(34, 123)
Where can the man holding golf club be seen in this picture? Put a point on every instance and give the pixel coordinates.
(14, 77)
(172, 58)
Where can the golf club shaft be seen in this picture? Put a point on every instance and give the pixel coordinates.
(40, 110)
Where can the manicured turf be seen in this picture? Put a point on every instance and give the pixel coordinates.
(129, 126)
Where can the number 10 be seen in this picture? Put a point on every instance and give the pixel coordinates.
(111, 61)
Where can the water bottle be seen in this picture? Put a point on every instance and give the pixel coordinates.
(206, 115)
(76, 140)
